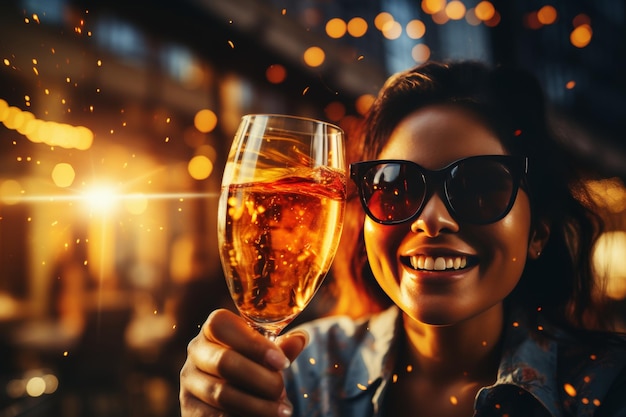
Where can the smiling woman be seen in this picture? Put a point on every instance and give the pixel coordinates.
(99, 91)
(479, 235)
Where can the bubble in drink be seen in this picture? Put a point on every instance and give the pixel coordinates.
(279, 240)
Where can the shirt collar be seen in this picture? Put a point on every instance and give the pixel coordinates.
(528, 362)
(377, 354)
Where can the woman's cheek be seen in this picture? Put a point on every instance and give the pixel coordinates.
(372, 239)
(382, 243)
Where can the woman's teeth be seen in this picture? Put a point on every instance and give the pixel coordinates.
(439, 263)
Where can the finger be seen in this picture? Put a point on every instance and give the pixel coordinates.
(192, 407)
(206, 395)
(293, 343)
(227, 364)
(227, 328)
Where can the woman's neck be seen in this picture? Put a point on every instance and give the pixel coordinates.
(470, 349)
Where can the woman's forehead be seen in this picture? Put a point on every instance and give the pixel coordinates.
(437, 135)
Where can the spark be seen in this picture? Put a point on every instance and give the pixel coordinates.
(569, 389)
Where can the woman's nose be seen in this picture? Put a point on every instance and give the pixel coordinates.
(434, 218)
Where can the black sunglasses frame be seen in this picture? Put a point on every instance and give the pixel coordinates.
(517, 166)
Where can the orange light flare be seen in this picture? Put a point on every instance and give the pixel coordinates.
(98, 199)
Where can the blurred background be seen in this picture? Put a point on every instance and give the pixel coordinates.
(116, 119)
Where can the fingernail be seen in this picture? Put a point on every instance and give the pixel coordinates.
(285, 410)
(277, 359)
(299, 333)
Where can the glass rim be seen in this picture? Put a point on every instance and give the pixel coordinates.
(292, 117)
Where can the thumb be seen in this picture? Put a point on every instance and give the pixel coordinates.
(293, 343)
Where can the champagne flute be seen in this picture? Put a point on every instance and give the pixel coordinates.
(280, 215)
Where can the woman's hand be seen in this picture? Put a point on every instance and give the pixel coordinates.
(233, 370)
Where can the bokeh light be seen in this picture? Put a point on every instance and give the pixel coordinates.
(581, 36)
(335, 111)
(48, 132)
(63, 175)
(531, 21)
(381, 19)
(84, 138)
(441, 17)
(484, 10)
(357, 27)
(392, 30)
(433, 6)
(208, 151)
(10, 192)
(415, 29)
(420, 53)
(205, 120)
(609, 261)
(276, 73)
(494, 21)
(314, 56)
(200, 167)
(363, 103)
(547, 15)
(581, 19)
(455, 10)
(36, 386)
(336, 28)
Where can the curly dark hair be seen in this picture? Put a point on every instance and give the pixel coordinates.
(561, 283)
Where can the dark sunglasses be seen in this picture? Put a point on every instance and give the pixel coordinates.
(477, 190)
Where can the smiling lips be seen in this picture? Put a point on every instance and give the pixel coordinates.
(440, 263)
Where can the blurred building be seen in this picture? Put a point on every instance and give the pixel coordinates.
(116, 120)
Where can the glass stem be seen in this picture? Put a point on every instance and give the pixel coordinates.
(271, 334)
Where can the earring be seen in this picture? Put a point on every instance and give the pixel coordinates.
(538, 253)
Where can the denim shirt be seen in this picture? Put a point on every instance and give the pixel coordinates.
(347, 366)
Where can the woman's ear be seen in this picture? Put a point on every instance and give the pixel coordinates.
(538, 239)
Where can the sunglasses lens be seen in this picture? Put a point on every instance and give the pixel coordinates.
(393, 192)
(480, 191)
